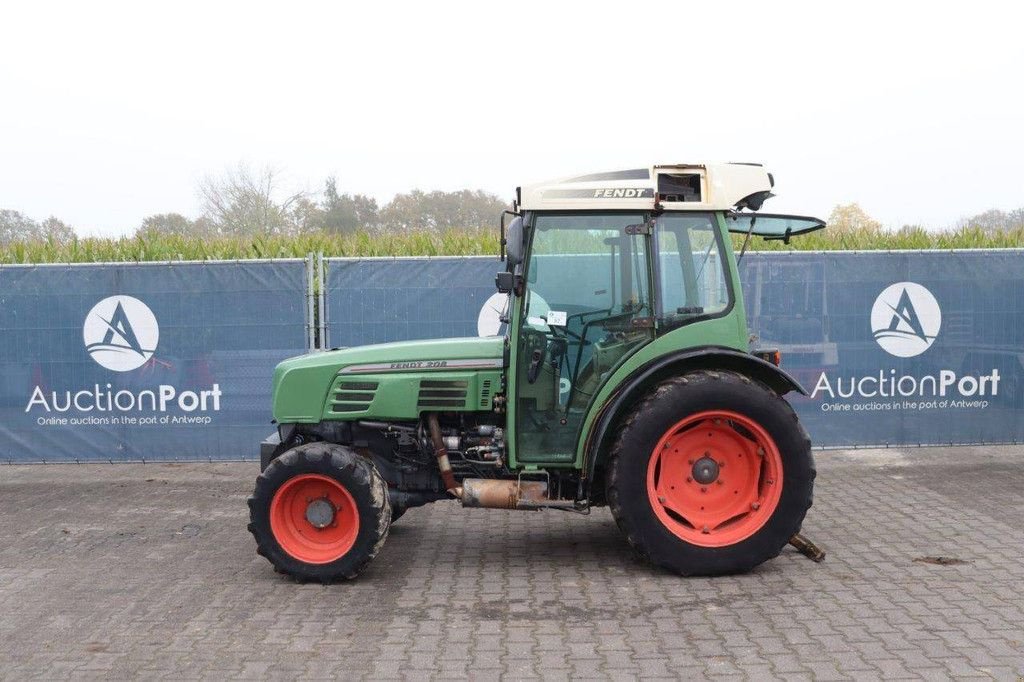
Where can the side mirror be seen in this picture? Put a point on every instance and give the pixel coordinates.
(515, 243)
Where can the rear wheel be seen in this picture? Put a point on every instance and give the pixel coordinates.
(711, 474)
(320, 512)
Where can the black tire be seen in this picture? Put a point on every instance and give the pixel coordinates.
(362, 481)
(640, 432)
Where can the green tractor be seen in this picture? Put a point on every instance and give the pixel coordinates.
(625, 378)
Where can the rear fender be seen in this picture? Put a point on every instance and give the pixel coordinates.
(637, 384)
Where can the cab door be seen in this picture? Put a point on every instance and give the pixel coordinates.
(587, 304)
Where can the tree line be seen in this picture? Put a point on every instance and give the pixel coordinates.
(18, 227)
(243, 202)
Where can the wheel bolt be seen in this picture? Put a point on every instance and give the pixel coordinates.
(760, 452)
(755, 506)
(721, 482)
(703, 489)
(705, 530)
(770, 481)
(689, 461)
(661, 499)
(689, 480)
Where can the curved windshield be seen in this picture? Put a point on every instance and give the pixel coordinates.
(588, 264)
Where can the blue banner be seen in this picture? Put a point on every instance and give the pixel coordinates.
(144, 361)
(400, 299)
(900, 348)
(174, 361)
(896, 348)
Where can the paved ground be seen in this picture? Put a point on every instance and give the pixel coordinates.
(147, 570)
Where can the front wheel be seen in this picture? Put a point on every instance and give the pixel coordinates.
(711, 474)
(320, 512)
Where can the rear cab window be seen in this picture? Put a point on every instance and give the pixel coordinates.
(691, 275)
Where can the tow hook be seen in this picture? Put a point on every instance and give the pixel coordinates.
(807, 548)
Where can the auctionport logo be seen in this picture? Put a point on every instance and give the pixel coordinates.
(121, 333)
(905, 319)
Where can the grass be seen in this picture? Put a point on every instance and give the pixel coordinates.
(452, 243)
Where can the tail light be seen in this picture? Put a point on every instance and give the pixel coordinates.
(773, 356)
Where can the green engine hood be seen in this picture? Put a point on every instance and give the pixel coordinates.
(301, 384)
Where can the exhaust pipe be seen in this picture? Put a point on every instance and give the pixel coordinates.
(441, 452)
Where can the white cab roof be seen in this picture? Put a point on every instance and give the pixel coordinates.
(674, 187)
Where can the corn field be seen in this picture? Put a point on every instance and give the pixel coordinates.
(908, 238)
(449, 243)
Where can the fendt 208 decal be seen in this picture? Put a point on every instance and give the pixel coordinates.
(413, 365)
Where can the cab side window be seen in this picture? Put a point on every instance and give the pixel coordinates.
(691, 271)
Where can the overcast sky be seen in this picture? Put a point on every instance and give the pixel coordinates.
(112, 112)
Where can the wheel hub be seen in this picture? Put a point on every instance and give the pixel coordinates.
(705, 470)
(314, 518)
(320, 512)
(714, 478)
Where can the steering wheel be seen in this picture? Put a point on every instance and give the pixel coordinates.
(567, 335)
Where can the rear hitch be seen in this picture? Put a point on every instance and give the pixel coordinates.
(807, 548)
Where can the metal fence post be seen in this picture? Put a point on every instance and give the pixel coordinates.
(310, 305)
(325, 342)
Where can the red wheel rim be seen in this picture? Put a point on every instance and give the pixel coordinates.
(715, 478)
(314, 519)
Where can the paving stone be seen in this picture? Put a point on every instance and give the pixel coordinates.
(147, 571)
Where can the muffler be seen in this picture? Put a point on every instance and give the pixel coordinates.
(508, 494)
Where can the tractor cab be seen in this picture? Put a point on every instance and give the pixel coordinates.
(601, 266)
